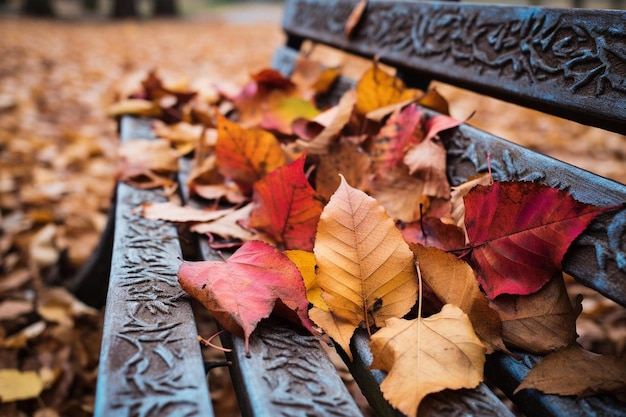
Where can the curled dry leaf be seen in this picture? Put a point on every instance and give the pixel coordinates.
(175, 213)
(456, 198)
(346, 159)
(254, 282)
(147, 163)
(229, 226)
(331, 122)
(562, 373)
(429, 355)
(541, 322)
(365, 268)
(453, 282)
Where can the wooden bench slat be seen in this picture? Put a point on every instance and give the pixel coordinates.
(150, 363)
(567, 62)
(288, 372)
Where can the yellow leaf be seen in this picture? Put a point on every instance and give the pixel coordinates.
(365, 268)
(16, 385)
(429, 355)
(453, 282)
(378, 89)
(305, 261)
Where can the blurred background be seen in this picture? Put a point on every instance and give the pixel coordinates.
(62, 64)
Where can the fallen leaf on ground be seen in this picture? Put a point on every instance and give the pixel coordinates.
(305, 261)
(431, 231)
(575, 371)
(16, 385)
(365, 268)
(230, 226)
(346, 159)
(428, 355)
(241, 291)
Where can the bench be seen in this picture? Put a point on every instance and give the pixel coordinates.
(564, 62)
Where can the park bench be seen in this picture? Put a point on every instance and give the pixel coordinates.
(565, 62)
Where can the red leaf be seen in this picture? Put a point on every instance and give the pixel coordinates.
(287, 207)
(438, 124)
(255, 281)
(520, 232)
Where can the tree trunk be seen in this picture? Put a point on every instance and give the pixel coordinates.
(165, 8)
(41, 8)
(123, 9)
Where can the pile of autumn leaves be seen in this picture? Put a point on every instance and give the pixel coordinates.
(348, 209)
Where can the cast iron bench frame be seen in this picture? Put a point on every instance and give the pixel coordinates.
(566, 62)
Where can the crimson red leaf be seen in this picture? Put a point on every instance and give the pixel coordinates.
(256, 280)
(520, 232)
(287, 207)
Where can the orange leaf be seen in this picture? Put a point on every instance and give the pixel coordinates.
(365, 268)
(246, 155)
(287, 207)
(378, 89)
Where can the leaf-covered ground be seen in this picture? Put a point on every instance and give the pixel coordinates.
(58, 161)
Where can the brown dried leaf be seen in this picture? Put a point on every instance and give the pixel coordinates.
(575, 371)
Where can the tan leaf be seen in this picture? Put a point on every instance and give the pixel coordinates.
(365, 268)
(575, 371)
(453, 282)
(16, 385)
(540, 322)
(176, 213)
(355, 18)
(427, 161)
(429, 355)
(135, 107)
(147, 163)
(456, 198)
(346, 159)
(229, 226)
(400, 193)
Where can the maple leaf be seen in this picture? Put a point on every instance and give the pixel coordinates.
(453, 281)
(365, 268)
(377, 89)
(246, 155)
(428, 355)
(287, 207)
(561, 373)
(241, 291)
(540, 322)
(520, 232)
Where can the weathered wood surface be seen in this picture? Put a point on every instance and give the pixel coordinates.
(287, 373)
(567, 62)
(150, 363)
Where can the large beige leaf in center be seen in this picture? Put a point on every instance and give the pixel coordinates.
(429, 355)
(364, 267)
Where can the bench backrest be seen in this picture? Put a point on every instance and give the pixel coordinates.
(565, 62)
